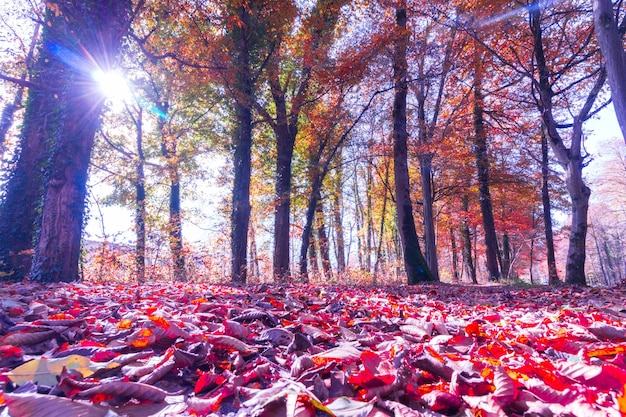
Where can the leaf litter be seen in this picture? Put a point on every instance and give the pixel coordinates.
(163, 349)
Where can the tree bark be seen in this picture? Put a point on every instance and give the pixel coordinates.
(455, 257)
(336, 200)
(482, 168)
(140, 203)
(174, 226)
(242, 160)
(322, 239)
(98, 27)
(414, 262)
(610, 40)
(466, 240)
(553, 276)
(570, 158)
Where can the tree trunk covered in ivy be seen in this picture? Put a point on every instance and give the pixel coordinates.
(45, 196)
(414, 262)
(84, 36)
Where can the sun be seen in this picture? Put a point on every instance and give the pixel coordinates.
(113, 85)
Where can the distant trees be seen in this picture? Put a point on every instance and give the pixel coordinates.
(356, 133)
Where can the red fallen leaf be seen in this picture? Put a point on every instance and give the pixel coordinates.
(474, 329)
(142, 338)
(125, 390)
(604, 350)
(104, 355)
(229, 343)
(8, 351)
(506, 390)
(463, 383)
(235, 329)
(26, 338)
(125, 324)
(39, 405)
(605, 331)
(605, 376)
(442, 401)
(207, 381)
(15, 311)
(345, 353)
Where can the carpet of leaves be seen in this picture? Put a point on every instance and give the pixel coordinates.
(164, 349)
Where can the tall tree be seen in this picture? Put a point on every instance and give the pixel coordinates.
(290, 80)
(61, 119)
(553, 276)
(426, 126)
(610, 37)
(571, 158)
(482, 168)
(414, 262)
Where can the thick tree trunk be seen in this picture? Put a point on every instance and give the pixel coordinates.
(242, 160)
(482, 168)
(579, 194)
(98, 27)
(553, 276)
(24, 189)
(285, 141)
(610, 40)
(569, 158)
(414, 262)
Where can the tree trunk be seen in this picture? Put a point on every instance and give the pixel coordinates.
(430, 234)
(579, 194)
(285, 141)
(506, 255)
(553, 276)
(140, 203)
(455, 257)
(610, 40)
(466, 239)
(336, 200)
(381, 229)
(414, 262)
(72, 123)
(307, 231)
(242, 161)
(482, 168)
(570, 158)
(322, 239)
(174, 226)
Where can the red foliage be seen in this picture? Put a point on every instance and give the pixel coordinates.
(197, 349)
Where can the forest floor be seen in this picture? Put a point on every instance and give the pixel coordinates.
(169, 349)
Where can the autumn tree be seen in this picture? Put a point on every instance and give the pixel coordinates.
(58, 132)
(414, 262)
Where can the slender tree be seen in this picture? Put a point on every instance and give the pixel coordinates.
(414, 262)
